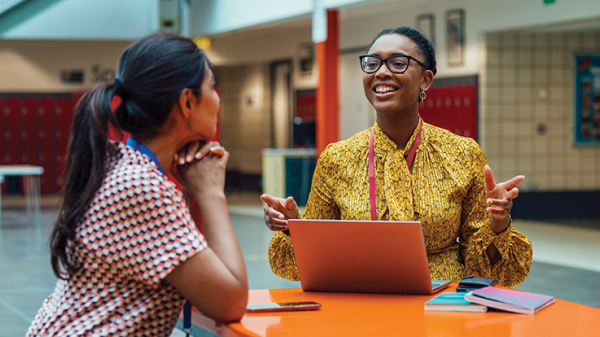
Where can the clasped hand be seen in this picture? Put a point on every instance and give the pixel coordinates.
(200, 168)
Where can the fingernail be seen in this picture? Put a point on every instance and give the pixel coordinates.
(489, 210)
(197, 156)
(489, 201)
(281, 216)
(213, 148)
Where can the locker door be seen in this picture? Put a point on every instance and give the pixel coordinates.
(450, 112)
(445, 111)
(12, 131)
(29, 131)
(438, 109)
(470, 106)
(63, 116)
(459, 111)
(47, 146)
(429, 105)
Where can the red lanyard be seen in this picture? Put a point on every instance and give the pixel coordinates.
(409, 160)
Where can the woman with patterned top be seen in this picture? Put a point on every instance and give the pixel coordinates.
(124, 246)
(421, 173)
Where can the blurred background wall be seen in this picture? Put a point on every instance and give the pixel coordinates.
(511, 88)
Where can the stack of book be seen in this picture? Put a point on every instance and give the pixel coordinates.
(453, 302)
(490, 297)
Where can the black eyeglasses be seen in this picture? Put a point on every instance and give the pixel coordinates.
(397, 63)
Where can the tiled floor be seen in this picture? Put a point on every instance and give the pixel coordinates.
(566, 263)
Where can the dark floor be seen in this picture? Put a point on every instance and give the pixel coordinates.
(27, 279)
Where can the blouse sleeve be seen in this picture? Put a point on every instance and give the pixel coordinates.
(152, 231)
(320, 205)
(477, 235)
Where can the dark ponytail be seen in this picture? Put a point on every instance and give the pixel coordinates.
(151, 74)
(88, 158)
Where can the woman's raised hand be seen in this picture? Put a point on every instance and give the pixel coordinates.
(202, 168)
(196, 151)
(499, 199)
(278, 211)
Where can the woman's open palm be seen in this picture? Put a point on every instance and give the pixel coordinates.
(499, 196)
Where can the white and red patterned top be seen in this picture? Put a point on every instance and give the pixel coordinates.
(137, 230)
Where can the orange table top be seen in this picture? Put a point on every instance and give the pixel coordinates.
(344, 314)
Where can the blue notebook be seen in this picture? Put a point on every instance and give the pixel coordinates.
(453, 302)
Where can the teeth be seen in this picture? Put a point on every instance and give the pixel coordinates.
(384, 89)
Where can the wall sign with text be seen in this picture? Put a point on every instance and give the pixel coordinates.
(587, 99)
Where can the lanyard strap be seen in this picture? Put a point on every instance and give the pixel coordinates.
(187, 308)
(143, 149)
(187, 317)
(409, 160)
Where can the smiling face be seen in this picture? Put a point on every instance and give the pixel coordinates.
(391, 93)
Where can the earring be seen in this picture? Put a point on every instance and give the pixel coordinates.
(422, 95)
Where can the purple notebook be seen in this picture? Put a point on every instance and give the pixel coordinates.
(510, 300)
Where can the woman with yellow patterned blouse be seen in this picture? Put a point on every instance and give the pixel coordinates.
(448, 186)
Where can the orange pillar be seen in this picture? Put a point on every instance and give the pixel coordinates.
(327, 114)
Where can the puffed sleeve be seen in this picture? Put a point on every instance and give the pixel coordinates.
(477, 235)
(320, 205)
(142, 229)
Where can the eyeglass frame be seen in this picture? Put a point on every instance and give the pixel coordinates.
(387, 65)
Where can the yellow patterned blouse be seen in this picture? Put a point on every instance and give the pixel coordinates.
(445, 191)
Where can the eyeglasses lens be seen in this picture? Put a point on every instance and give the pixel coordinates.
(370, 64)
(396, 64)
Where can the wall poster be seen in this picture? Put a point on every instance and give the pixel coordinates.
(455, 36)
(426, 25)
(587, 99)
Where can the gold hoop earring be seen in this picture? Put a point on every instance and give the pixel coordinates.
(422, 95)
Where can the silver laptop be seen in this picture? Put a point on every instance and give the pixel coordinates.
(362, 257)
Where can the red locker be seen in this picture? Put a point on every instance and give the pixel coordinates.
(29, 131)
(12, 131)
(63, 115)
(440, 108)
(47, 145)
(429, 105)
(460, 116)
(453, 109)
(443, 113)
(470, 106)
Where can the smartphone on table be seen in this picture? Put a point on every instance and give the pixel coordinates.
(283, 306)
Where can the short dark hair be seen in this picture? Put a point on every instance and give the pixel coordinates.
(424, 44)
